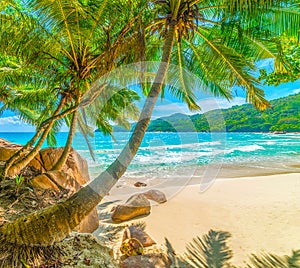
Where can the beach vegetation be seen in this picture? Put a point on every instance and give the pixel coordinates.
(19, 179)
(195, 32)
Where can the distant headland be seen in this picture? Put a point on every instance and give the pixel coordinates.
(282, 117)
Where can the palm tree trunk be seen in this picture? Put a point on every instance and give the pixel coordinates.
(63, 158)
(54, 223)
(45, 127)
(56, 116)
(18, 166)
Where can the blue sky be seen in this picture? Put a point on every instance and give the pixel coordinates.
(9, 122)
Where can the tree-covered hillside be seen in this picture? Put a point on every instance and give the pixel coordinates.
(283, 116)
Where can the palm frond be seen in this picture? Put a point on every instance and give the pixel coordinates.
(211, 80)
(52, 135)
(211, 251)
(285, 20)
(86, 131)
(238, 70)
(187, 92)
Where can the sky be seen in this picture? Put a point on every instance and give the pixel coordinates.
(9, 122)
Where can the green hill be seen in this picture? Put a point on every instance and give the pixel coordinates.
(283, 116)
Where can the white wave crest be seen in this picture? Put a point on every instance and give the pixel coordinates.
(247, 148)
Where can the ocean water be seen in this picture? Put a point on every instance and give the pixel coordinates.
(171, 155)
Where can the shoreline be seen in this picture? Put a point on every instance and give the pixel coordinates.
(125, 187)
(262, 214)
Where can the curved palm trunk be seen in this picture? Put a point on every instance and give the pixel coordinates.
(15, 157)
(54, 223)
(18, 166)
(63, 158)
(45, 128)
(56, 116)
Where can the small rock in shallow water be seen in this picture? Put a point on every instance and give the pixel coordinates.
(140, 184)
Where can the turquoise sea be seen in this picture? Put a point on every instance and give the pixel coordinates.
(171, 155)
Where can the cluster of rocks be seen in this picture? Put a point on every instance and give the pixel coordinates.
(69, 180)
(137, 205)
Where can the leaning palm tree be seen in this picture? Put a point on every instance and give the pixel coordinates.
(119, 109)
(66, 44)
(177, 21)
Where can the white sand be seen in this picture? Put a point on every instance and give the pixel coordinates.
(261, 213)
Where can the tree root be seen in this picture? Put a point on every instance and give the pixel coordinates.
(20, 256)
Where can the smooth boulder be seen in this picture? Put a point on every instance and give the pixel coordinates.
(76, 166)
(7, 149)
(156, 195)
(137, 205)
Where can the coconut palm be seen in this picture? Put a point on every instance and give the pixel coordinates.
(178, 22)
(67, 45)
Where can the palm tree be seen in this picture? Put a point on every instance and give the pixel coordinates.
(177, 21)
(67, 45)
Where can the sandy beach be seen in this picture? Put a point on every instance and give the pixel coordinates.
(262, 213)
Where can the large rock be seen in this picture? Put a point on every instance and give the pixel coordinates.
(75, 166)
(156, 196)
(43, 181)
(152, 260)
(7, 149)
(139, 234)
(73, 175)
(56, 180)
(137, 205)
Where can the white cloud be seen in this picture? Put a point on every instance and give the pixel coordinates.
(208, 104)
(296, 91)
(14, 124)
(167, 109)
(14, 120)
(213, 103)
